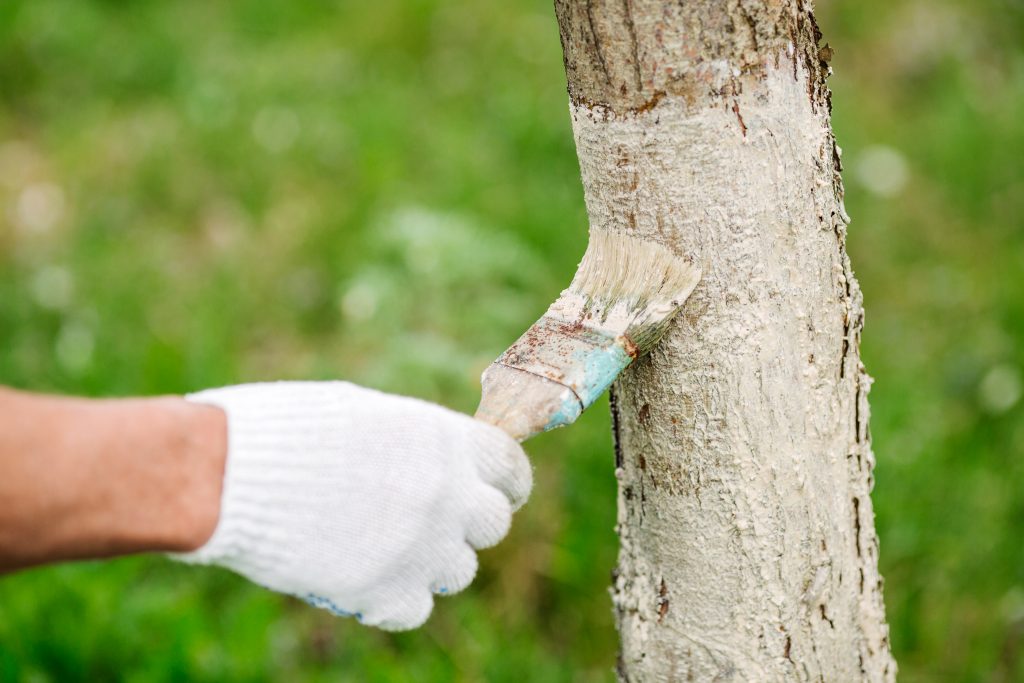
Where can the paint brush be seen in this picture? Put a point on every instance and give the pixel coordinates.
(617, 308)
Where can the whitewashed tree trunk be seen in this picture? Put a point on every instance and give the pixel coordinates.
(744, 461)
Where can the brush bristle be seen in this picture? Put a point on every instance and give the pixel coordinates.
(628, 285)
(619, 267)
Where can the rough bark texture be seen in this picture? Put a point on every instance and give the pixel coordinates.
(745, 466)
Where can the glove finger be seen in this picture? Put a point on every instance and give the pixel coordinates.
(458, 571)
(502, 463)
(401, 611)
(489, 517)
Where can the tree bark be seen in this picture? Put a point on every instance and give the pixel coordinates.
(748, 549)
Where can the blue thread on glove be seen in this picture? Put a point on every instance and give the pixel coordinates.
(328, 604)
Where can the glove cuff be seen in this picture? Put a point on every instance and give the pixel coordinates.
(259, 485)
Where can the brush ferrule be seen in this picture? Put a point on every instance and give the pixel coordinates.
(582, 360)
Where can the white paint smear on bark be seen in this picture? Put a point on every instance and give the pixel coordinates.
(748, 545)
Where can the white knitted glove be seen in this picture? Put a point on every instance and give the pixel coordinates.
(357, 501)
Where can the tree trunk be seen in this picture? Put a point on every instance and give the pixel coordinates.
(743, 455)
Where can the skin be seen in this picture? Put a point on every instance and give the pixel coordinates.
(82, 478)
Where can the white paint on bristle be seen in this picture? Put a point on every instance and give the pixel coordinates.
(618, 267)
(627, 285)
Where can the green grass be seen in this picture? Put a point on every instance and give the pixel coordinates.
(197, 193)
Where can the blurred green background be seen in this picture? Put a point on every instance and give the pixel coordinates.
(197, 193)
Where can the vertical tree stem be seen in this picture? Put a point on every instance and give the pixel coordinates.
(748, 544)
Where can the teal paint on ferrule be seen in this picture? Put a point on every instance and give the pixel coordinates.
(601, 365)
(581, 359)
(566, 414)
(594, 369)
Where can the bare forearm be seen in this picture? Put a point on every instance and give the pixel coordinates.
(95, 478)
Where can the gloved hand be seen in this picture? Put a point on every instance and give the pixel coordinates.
(357, 501)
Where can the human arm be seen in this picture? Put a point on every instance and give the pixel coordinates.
(86, 478)
(357, 501)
